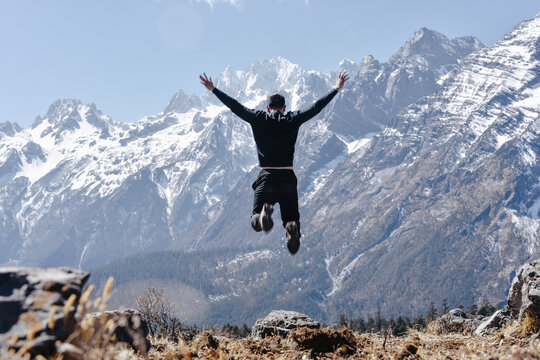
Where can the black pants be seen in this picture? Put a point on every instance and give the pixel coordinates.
(276, 186)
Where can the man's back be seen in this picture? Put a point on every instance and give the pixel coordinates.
(275, 133)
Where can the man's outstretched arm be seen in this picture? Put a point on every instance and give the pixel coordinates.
(238, 109)
(316, 108)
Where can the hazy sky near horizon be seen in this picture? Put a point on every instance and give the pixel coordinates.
(129, 57)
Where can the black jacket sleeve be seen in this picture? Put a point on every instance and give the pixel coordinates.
(238, 109)
(305, 115)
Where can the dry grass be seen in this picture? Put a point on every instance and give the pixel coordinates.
(510, 343)
(343, 344)
(94, 338)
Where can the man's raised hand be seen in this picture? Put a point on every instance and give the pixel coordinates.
(207, 82)
(342, 79)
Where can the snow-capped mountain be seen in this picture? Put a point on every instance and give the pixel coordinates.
(419, 182)
(79, 189)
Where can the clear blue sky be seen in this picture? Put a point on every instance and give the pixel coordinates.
(130, 56)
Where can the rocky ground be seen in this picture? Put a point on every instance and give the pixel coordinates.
(45, 315)
(343, 344)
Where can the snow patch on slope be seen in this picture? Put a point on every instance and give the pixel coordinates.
(527, 228)
(337, 280)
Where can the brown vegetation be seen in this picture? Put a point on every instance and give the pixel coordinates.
(94, 339)
(329, 343)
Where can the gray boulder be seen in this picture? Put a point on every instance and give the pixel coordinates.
(496, 321)
(456, 320)
(32, 303)
(281, 322)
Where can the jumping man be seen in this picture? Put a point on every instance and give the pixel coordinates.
(275, 134)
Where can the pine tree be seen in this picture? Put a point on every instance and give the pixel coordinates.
(445, 306)
(378, 319)
(343, 321)
(432, 312)
(245, 331)
(358, 325)
(486, 309)
(473, 310)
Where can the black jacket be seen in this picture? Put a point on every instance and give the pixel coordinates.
(275, 134)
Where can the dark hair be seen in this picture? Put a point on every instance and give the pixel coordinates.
(276, 101)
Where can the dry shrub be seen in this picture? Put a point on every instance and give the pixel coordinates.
(267, 345)
(520, 332)
(167, 349)
(530, 323)
(156, 310)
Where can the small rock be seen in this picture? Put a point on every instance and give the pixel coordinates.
(457, 313)
(495, 321)
(281, 322)
(456, 321)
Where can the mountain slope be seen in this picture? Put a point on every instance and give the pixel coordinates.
(444, 202)
(79, 189)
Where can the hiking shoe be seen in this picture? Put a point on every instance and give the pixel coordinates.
(265, 218)
(293, 237)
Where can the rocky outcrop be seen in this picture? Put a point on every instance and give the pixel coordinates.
(281, 322)
(39, 315)
(37, 307)
(524, 295)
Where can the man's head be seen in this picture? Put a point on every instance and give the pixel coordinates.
(276, 102)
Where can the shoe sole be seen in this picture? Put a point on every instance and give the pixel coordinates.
(293, 238)
(265, 218)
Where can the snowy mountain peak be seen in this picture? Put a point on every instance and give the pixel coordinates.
(425, 34)
(369, 59)
(230, 80)
(525, 34)
(62, 113)
(349, 66)
(61, 107)
(9, 129)
(67, 115)
(368, 65)
(182, 102)
(261, 76)
(509, 65)
(432, 49)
